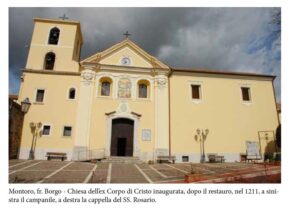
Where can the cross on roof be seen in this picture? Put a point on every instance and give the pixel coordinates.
(127, 34)
(64, 17)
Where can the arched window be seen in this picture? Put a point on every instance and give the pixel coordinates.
(105, 86)
(53, 36)
(143, 89)
(49, 61)
(72, 93)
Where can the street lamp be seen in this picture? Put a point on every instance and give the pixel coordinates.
(25, 104)
(201, 138)
(34, 130)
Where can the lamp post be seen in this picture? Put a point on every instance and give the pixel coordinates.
(25, 104)
(34, 130)
(201, 138)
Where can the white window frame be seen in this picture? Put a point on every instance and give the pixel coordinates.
(245, 102)
(46, 135)
(35, 95)
(68, 92)
(149, 90)
(200, 83)
(63, 130)
(112, 87)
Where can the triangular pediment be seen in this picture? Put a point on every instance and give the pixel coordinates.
(126, 53)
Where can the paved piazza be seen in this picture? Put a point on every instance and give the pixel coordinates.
(28, 171)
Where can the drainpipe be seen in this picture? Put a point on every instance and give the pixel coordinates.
(169, 97)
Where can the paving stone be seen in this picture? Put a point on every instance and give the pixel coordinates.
(68, 177)
(80, 166)
(99, 176)
(126, 173)
(48, 165)
(102, 166)
(14, 162)
(20, 166)
(28, 176)
(144, 166)
(154, 176)
(171, 172)
(77, 172)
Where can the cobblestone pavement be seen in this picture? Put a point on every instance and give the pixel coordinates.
(28, 171)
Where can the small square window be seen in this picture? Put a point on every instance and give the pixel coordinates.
(185, 158)
(196, 92)
(46, 129)
(246, 94)
(67, 131)
(40, 96)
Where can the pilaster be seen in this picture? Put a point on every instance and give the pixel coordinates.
(81, 143)
(161, 115)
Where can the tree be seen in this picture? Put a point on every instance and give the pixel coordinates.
(278, 136)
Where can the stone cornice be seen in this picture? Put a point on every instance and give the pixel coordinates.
(215, 73)
(36, 71)
(131, 69)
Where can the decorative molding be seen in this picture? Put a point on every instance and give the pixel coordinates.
(161, 81)
(39, 71)
(110, 113)
(87, 76)
(136, 114)
(123, 107)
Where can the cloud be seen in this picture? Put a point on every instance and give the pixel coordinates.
(233, 39)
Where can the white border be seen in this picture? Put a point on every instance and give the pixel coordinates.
(200, 83)
(250, 102)
(149, 90)
(68, 93)
(63, 129)
(288, 191)
(35, 94)
(45, 135)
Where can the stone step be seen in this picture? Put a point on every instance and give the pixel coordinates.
(121, 160)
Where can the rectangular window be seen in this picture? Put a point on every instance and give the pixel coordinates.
(185, 158)
(142, 91)
(46, 129)
(40, 96)
(67, 131)
(246, 94)
(196, 92)
(105, 89)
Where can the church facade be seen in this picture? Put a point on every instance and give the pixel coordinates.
(124, 102)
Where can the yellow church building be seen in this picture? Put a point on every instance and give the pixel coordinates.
(124, 102)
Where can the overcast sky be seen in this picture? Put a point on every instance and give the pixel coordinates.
(228, 39)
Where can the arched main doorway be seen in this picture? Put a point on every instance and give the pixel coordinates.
(122, 137)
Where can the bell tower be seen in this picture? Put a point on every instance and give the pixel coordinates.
(55, 45)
